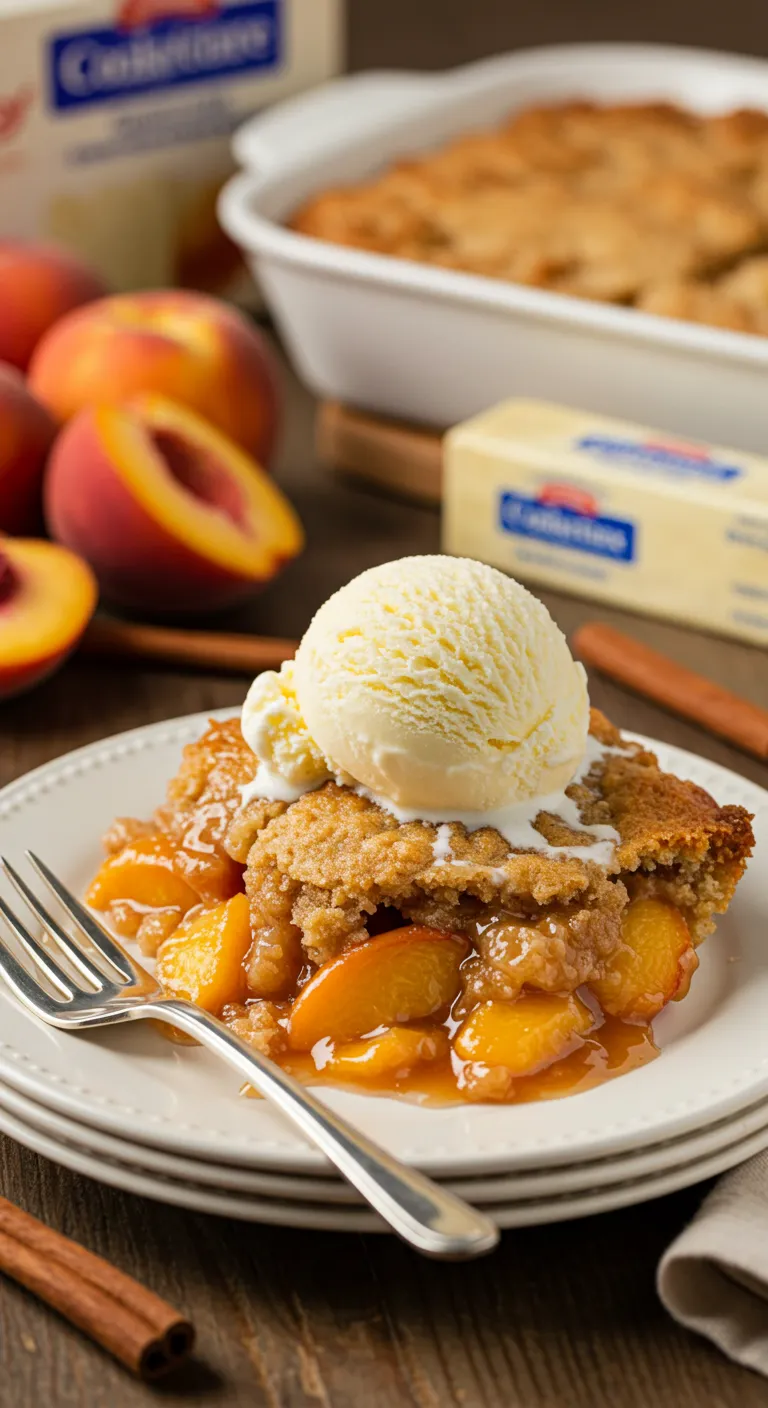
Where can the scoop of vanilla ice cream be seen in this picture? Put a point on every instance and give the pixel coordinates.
(271, 723)
(441, 684)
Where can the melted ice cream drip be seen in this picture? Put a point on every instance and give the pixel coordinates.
(269, 786)
(441, 848)
(515, 823)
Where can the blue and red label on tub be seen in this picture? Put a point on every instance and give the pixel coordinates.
(565, 516)
(157, 45)
(670, 458)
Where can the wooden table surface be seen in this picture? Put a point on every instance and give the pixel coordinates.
(558, 1316)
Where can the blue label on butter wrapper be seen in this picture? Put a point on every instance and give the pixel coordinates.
(94, 66)
(667, 457)
(557, 524)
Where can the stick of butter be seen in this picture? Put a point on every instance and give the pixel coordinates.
(605, 509)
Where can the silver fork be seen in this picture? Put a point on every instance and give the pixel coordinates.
(424, 1214)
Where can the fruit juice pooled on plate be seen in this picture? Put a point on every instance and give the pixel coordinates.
(419, 864)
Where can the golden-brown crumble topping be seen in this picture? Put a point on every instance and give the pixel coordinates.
(316, 873)
(318, 870)
(645, 204)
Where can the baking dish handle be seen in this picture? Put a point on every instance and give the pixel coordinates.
(313, 122)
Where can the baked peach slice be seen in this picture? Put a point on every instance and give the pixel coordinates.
(654, 964)
(143, 873)
(171, 515)
(203, 960)
(47, 598)
(393, 1052)
(213, 875)
(402, 976)
(525, 1035)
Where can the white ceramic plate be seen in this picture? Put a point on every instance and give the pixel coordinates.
(529, 1212)
(132, 1083)
(539, 1183)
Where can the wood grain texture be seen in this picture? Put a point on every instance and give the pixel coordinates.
(559, 1317)
(386, 454)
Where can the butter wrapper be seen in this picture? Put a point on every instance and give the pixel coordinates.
(612, 511)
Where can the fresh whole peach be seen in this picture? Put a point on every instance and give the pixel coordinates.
(171, 515)
(38, 285)
(27, 431)
(182, 345)
(47, 598)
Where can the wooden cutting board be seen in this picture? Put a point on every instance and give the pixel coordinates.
(391, 455)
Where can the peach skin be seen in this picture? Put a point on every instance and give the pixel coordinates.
(27, 431)
(171, 515)
(182, 345)
(38, 285)
(47, 598)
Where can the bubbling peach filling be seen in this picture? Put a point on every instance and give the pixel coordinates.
(513, 1008)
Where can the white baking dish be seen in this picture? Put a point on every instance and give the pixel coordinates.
(437, 346)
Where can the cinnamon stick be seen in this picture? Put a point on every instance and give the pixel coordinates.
(673, 686)
(136, 1326)
(204, 649)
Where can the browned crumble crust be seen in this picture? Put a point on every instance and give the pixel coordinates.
(643, 204)
(260, 1024)
(203, 802)
(317, 871)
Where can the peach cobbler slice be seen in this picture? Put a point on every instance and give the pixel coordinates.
(356, 948)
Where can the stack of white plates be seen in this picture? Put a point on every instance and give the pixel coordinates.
(131, 1109)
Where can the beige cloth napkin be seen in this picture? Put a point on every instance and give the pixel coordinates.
(714, 1277)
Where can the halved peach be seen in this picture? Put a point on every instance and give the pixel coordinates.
(47, 598)
(203, 960)
(525, 1035)
(171, 515)
(393, 1052)
(144, 872)
(398, 977)
(654, 964)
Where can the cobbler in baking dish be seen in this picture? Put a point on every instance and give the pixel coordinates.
(498, 954)
(642, 204)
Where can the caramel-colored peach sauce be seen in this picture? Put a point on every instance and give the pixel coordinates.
(391, 1015)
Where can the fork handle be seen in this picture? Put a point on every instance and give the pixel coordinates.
(429, 1217)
